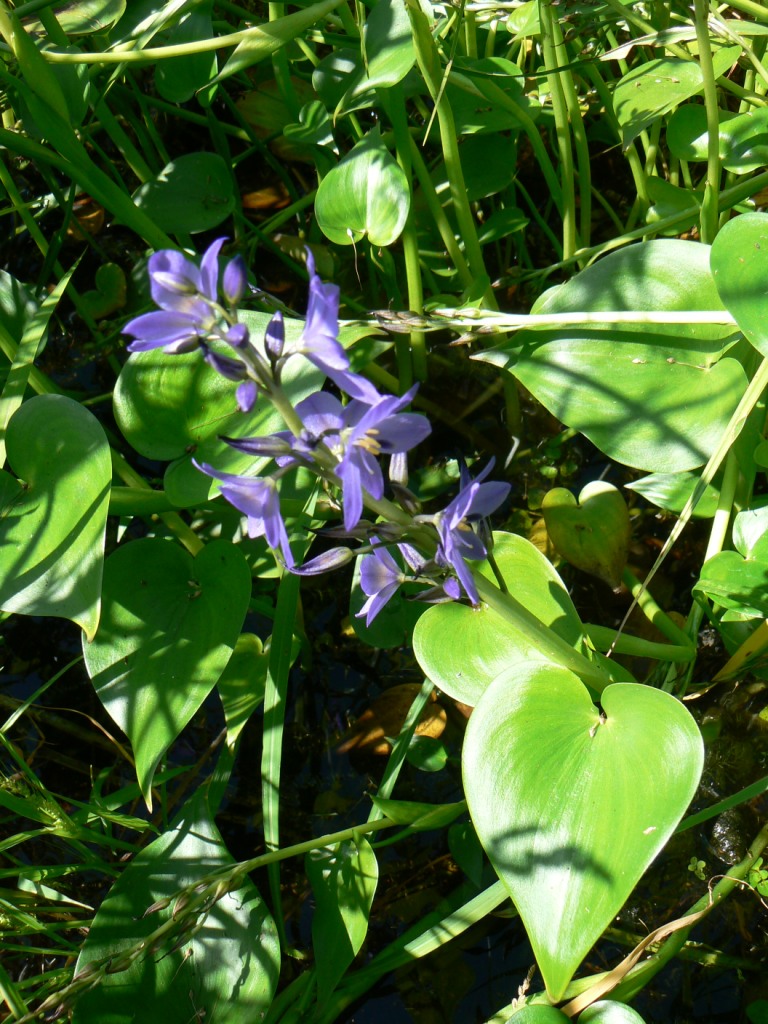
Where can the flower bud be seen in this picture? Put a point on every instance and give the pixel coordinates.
(235, 280)
(274, 337)
(246, 395)
(237, 335)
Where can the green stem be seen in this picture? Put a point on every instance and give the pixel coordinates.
(654, 614)
(562, 129)
(543, 640)
(709, 206)
(429, 64)
(411, 359)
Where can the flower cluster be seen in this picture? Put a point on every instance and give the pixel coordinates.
(341, 443)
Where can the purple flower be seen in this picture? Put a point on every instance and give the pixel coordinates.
(234, 280)
(458, 540)
(356, 434)
(380, 578)
(258, 499)
(187, 297)
(319, 339)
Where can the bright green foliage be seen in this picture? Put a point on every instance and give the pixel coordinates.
(365, 196)
(169, 626)
(636, 390)
(739, 267)
(222, 959)
(54, 518)
(572, 804)
(490, 642)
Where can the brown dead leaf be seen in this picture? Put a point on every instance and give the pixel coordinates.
(385, 717)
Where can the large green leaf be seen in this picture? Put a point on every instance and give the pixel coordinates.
(195, 192)
(343, 879)
(651, 396)
(742, 138)
(571, 804)
(176, 407)
(168, 628)
(490, 643)
(650, 90)
(366, 195)
(225, 972)
(52, 520)
(388, 51)
(740, 268)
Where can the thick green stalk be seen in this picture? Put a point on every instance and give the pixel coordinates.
(549, 37)
(709, 206)
(411, 358)
(428, 60)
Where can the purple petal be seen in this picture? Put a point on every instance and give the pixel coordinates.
(378, 570)
(237, 335)
(329, 560)
(174, 331)
(232, 369)
(376, 602)
(209, 270)
(274, 336)
(235, 280)
(246, 395)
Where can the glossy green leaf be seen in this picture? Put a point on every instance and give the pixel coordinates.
(265, 39)
(388, 51)
(193, 193)
(225, 972)
(651, 396)
(592, 534)
(750, 533)
(242, 683)
(488, 642)
(176, 407)
(608, 1011)
(85, 16)
(179, 78)
(53, 519)
(742, 138)
(671, 491)
(740, 269)
(652, 89)
(366, 195)
(343, 879)
(571, 804)
(169, 626)
(735, 583)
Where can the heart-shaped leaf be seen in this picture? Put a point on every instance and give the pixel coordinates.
(109, 293)
(52, 524)
(168, 629)
(739, 261)
(592, 534)
(225, 972)
(572, 805)
(490, 643)
(635, 390)
(195, 192)
(367, 194)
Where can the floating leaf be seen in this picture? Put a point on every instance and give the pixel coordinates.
(193, 193)
(571, 804)
(168, 628)
(637, 391)
(489, 643)
(52, 524)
